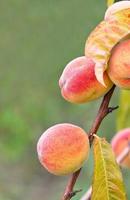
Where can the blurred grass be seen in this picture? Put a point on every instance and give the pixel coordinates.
(37, 40)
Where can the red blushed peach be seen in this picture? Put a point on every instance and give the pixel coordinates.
(119, 65)
(78, 82)
(63, 148)
(119, 142)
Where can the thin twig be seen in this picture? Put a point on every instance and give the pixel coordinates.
(102, 112)
(69, 193)
(120, 159)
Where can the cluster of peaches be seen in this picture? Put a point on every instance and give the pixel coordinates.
(63, 148)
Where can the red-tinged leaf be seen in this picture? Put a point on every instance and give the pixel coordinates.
(104, 37)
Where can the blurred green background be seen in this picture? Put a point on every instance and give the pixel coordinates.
(37, 39)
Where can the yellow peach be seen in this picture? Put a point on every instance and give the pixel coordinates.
(119, 65)
(119, 142)
(63, 148)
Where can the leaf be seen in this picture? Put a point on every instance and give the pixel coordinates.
(122, 6)
(107, 181)
(123, 115)
(104, 37)
(110, 2)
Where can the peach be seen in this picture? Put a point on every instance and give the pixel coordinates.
(119, 65)
(78, 82)
(119, 142)
(63, 148)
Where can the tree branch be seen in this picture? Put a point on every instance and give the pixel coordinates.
(69, 193)
(102, 112)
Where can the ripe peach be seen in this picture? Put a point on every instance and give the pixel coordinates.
(78, 82)
(119, 142)
(63, 148)
(119, 65)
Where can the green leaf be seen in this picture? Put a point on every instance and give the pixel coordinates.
(107, 181)
(123, 117)
(110, 2)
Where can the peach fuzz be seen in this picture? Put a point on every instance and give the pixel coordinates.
(63, 148)
(119, 142)
(119, 65)
(78, 82)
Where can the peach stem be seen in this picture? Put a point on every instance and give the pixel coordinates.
(102, 112)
